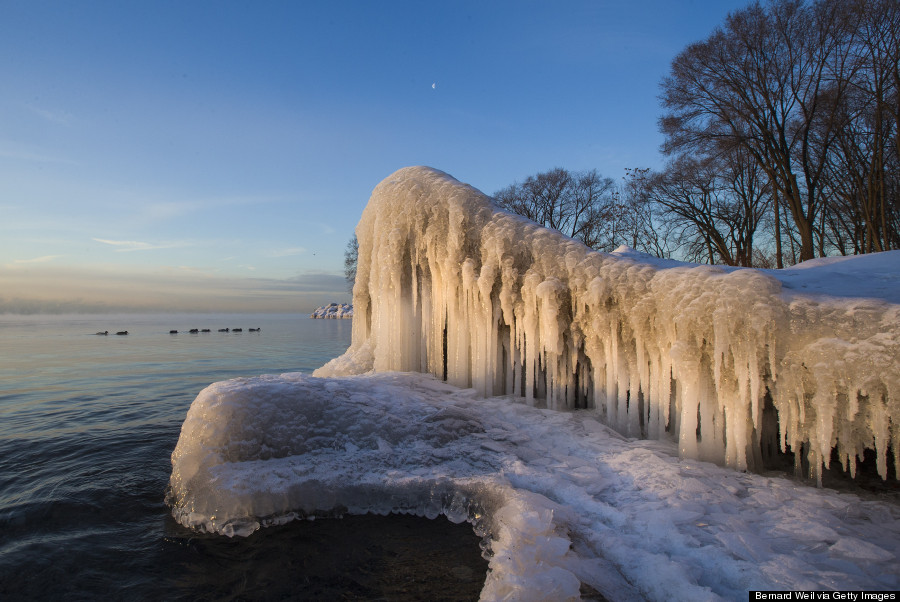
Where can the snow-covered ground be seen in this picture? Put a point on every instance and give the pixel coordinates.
(873, 276)
(333, 311)
(670, 364)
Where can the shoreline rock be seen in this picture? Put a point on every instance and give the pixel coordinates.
(333, 311)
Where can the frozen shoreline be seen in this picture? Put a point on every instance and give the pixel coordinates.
(563, 498)
(598, 418)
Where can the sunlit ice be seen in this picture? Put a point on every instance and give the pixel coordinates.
(598, 420)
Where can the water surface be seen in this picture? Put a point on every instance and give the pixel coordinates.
(87, 426)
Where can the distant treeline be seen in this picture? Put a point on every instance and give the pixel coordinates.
(782, 134)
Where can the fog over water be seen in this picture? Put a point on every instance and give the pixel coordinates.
(38, 288)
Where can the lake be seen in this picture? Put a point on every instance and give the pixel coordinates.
(87, 426)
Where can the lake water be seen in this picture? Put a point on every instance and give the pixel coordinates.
(87, 426)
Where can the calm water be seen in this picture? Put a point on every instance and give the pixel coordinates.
(87, 426)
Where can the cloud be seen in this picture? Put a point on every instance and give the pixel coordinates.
(289, 252)
(153, 209)
(317, 281)
(43, 259)
(53, 288)
(21, 154)
(135, 245)
(61, 117)
(166, 210)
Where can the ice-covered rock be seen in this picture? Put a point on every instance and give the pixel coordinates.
(333, 311)
(264, 451)
(450, 285)
(559, 498)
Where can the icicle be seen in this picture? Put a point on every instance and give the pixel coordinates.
(447, 282)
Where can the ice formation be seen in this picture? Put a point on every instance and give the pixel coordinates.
(687, 363)
(448, 284)
(559, 498)
(333, 311)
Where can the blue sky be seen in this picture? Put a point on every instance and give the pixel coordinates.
(217, 156)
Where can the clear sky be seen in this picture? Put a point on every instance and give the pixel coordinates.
(217, 155)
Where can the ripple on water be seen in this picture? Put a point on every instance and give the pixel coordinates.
(87, 427)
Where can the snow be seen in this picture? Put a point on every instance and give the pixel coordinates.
(561, 498)
(873, 276)
(595, 410)
(333, 311)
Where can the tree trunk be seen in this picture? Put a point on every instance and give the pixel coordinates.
(779, 260)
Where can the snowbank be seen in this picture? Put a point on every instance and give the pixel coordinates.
(333, 311)
(448, 284)
(559, 498)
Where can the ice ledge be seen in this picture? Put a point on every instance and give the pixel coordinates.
(449, 284)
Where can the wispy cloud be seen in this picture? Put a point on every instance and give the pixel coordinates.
(54, 288)
(43, 259)
(289, 252)
(316, 281)
(61, 117)
(150, 208)
(326, 228)
(17, 153)
(186, 269)
(166, 210)
(136, 245)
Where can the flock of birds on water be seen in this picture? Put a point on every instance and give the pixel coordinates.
(191, 331)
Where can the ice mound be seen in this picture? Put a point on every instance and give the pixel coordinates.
(333, 311)
(559, 498)
(264, 451)
(726, 361)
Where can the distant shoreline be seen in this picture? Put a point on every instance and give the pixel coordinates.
(148, 312)
(333, 311)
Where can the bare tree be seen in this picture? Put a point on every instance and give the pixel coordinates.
(766, 83)
(712, 208)
(783, 131)
(591, 205)
(748, 194)
(638, 222)
(576, 204)
(862, 166)
(689, 197)
(351, 259)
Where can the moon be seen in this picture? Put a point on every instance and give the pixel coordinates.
(434, 85)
